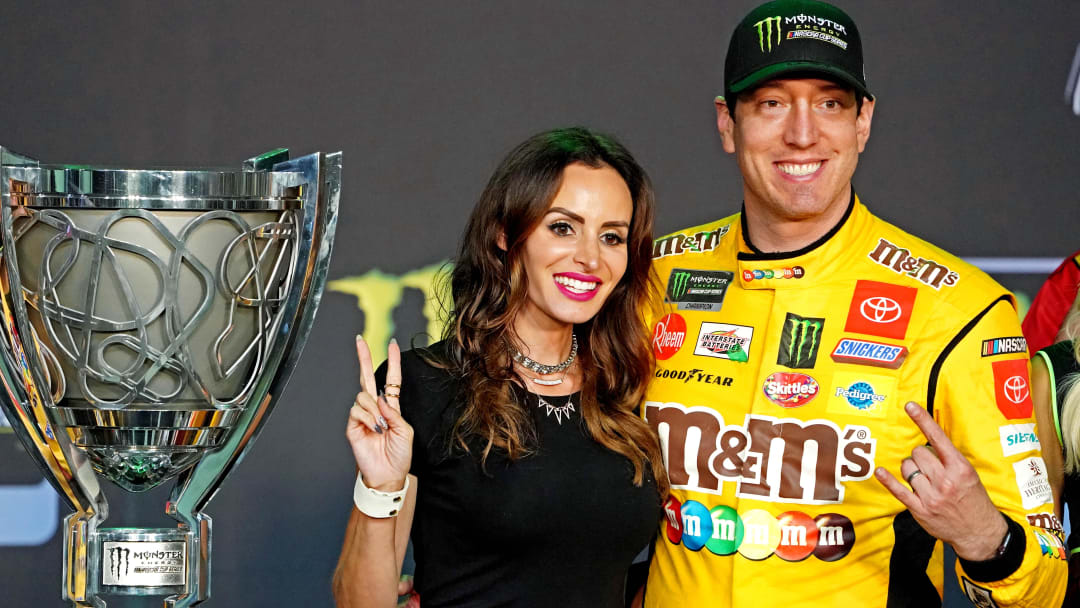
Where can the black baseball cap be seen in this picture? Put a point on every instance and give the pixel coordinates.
(794, 36)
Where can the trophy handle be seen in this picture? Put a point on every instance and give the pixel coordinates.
(320, 186)
(27, 401)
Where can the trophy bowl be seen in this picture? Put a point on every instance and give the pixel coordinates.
(151, 319)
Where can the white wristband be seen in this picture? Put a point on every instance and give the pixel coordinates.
(374, 503)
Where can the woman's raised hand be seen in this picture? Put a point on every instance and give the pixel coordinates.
(380, 438)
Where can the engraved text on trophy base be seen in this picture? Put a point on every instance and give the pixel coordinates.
(143, 564)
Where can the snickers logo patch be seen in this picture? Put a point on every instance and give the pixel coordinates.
(868, 352)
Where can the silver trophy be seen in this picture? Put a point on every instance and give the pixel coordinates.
(151, 319)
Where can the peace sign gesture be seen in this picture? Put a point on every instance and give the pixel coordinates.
(380, 438)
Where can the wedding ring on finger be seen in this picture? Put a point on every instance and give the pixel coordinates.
(396, 390)
(912, 475)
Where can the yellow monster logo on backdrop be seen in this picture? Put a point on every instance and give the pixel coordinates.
(378, 294)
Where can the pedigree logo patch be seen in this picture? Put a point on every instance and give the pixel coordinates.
(1012, 389)
(856, 394)
(881, 309)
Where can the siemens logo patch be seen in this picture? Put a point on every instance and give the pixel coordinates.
(1004, 346)
(867, 352)
(1018, 438)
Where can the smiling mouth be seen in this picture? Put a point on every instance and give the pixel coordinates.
(798, 169)
(574, 285)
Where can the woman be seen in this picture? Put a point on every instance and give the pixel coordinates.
(1055, 382)
(534, 481)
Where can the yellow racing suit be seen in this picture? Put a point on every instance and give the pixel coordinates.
(780, 386)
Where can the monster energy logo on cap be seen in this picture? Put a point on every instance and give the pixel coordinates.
(794, 37)
(764, 32)
(697, 289)
(799, 341)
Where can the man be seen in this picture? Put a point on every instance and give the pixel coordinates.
(793, 337)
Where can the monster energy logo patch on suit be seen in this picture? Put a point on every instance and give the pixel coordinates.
(698, 289)
(765, 32)
(799, 341)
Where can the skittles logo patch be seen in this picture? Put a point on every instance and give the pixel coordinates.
(792, 536)
(790, 389)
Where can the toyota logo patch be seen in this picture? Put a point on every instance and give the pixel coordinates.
(880, 309)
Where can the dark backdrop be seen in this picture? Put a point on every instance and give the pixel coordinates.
(973, 148)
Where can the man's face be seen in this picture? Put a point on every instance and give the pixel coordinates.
(797, 143)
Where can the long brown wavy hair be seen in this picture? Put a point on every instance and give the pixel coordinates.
(488, 287)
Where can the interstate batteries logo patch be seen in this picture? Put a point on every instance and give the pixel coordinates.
(694, 289)
(725, 341)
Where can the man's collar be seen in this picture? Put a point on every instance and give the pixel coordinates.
(829, 256)
(757, 254)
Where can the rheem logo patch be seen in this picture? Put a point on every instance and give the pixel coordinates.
(1012, 388)
(881, 309)
(668, 336)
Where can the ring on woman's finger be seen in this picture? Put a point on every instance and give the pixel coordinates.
(912, 475)
(395, 394)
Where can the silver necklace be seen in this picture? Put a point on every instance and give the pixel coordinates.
(559, 410)
(545, 370)
(546, 381)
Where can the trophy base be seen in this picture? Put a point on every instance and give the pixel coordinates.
(142, 561)
(139, 562)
